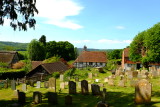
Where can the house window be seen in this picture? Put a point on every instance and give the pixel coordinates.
(90, 63)
(101, 63)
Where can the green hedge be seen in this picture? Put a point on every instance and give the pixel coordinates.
(12, 74)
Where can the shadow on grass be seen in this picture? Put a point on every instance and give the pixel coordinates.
(114, 99)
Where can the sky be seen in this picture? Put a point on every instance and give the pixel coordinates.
(98, 24)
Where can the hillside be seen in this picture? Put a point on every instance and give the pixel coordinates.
(4, 45)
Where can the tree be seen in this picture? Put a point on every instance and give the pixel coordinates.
(43, 40)
(36, 51)
(145, 47)
(115, 54)
(51, 49)
(20, 12)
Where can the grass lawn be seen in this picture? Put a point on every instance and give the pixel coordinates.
(116, 96)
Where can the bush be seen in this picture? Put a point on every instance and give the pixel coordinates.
(56, 74)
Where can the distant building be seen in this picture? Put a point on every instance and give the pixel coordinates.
(90, 59)
(9, 57)
(42, 70)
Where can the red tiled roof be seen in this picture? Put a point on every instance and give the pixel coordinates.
(7, 56)
(92, 56)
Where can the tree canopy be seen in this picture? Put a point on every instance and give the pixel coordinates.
(20, 12)
(145, 47)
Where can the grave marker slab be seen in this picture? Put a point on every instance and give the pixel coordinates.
(95, 89)
(143, 91)
(52, 98)
(38, 84)
(90, 75)
(37, 97)
(84, 87)
(24, 87)
(72, 87)
(13, 85)
(52, 83)
(61, 77)
(62, 85)
(68, 100)
(21, 97)
(46, 84)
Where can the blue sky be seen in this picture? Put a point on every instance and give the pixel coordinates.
(99, 24)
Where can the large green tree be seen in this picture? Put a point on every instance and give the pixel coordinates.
(42, 40)
(115, 54)
(20, 12)
(36, 51)
(145, 47)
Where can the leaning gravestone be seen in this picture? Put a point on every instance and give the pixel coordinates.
(84, 87)
(95, 89)
(24, 87)
(61, 77)
(13, 85)
(38, 84)
(68, 100)
(143, 92)
(37, 97)
(72, 87)
(52, 98)
(21, 97)
(52, 83)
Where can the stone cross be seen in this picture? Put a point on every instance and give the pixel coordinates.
(143, 91)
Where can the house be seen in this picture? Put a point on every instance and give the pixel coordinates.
(90, 59)
(127, 64)
(45, 69)
(9, 57)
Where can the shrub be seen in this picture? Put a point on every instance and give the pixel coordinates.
(56, 74)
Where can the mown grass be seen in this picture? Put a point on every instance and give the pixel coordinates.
(116, 96)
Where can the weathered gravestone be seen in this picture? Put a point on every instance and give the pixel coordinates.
(143, 92)
(90, 75)
(155, 74)
(95, 89)
(52, 98)
(72, 87)
(76, 79)
(89, 87)
(31, 83)
(61, 77)
(46, 84)
(24, 87)
(121, 82)
(6, 83)
(21, 97)
(84, 87)
(106, 79)
(110, 81)
(38, 84)
(15, 94)
(13, 85)
(37, 97)
(52, 83)
(17, 82)
(68, 100)
(62, 85)
(79, 85)
(135, 74)
(95, 74)
(133, 83)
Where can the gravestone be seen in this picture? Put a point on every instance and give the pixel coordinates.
(135, 73)
(106, 79)
(76, 79)
(46, 84)
(68, 100)
(24, 87)
(155, 74)
(13, 85)
(84, 87)
(6, 83)
(72, 87)
(37, 97)
(89, 87)
(38, 84)
(21, 97)
(133, 83)
(110, 81)
(121, 83)
(62, 85)
(52, 83)
(15, 94)
(52, 98)
(143, 92)
(95, 89)
(90, 75)
(95, 74)
(61, 77)
(17, 82)
(79, 85)
(101, 84)
(31, 83)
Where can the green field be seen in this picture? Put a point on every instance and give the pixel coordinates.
(116, 96)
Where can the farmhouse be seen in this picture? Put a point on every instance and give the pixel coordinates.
(127, 64)
(90, 59)
(44, 69)
(9, 57)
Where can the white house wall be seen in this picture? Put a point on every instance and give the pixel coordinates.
(87, 64)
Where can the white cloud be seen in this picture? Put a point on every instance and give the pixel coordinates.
(56, 12)
(80, 41)
(120, 27)
(114, 41)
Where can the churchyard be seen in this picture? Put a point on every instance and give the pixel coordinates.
(117, 89)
